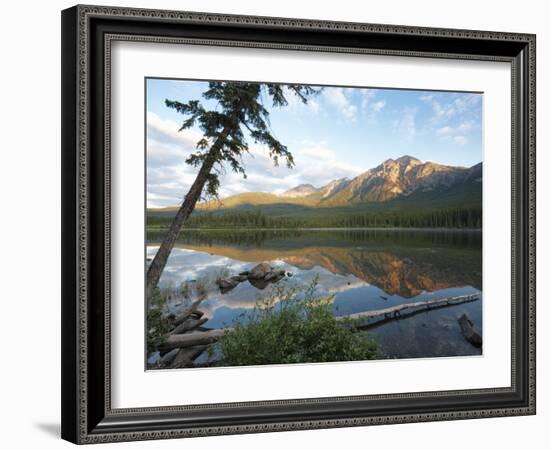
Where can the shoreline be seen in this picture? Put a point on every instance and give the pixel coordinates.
(477, 230)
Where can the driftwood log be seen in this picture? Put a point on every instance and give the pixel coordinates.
(192, 339)
(395, 311)
(167, 358)
(467, 328)
(186, 356)
(189, 325)
(188, 312)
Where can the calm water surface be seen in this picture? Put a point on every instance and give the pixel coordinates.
(363, 269)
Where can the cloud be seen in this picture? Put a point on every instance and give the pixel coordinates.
(458, 133)
(378, 106)
(406, 124)
(338, 97)
(459, 105)
(460, 140)
(296, 105)
(314, 105)
(169, 178)
(166, 131)
(369, 106)
(447, 130)
(366, 96)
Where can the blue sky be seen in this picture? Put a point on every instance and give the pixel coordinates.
(341, 132)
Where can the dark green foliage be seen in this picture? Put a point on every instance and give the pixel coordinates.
(238, 110)
(157, 325)
(329, 218)
(299, 328)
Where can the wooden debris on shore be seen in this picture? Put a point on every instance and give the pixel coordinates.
(188, 339)
(189, 325)
(467, 328)
(168, 357)
(186, 356)
(260, 277)
(184, 323)
(192, 339)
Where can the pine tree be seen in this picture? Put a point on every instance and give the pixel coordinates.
(239, 108)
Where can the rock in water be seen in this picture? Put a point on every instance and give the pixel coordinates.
(259, 283)
(259, 271)
(239, 278)
(227, 285)
(274, 274)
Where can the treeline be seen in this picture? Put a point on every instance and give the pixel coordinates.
(441, 218)
(341, 237)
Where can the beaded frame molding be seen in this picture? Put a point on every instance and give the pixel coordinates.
(87, 35)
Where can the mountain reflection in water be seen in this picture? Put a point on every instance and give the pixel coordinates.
(364, 269)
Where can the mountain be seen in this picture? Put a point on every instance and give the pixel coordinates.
(302, 190)
(397, 178)
(403, 180)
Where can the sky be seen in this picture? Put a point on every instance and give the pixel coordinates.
(341, 132)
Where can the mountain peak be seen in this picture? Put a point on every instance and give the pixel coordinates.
(407, 159)
(301, 190)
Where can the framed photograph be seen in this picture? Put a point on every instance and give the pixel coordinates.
(280, 224)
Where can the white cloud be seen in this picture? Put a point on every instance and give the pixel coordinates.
(314, 105)
(378, 106)
(367, 95)
(460, 106)
(296, 105)
(460, 140)
(369, 106)
(456, 133)
(169, 178)
(406, 124)
(337, 97)
(166, 131)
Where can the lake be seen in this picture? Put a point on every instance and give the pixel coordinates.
(363, 269)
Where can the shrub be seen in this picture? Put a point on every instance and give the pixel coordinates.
(157, 325)
(298, 328)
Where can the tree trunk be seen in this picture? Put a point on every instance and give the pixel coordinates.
(394, 311)
(159, 261)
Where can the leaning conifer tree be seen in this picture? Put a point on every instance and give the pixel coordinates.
(238, 107)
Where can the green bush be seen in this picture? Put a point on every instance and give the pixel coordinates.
(298, 328)
(157, 325)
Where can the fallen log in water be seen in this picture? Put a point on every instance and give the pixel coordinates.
(189, 325)
(187, 312)
(192, 339)
(168, 357)
(371, 325)
(395, 311)
(186, 356)
(467, 328)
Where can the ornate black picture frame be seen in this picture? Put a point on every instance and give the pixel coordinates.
(87, 34)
